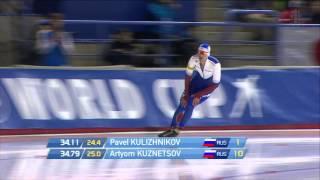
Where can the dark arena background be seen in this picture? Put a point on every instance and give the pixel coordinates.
(102, 69)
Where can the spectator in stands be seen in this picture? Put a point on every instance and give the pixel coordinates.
(296, 12)
(163, 10)
(258, 34)
(1, 7)
(29, 53)
(186, 41)
(47, 7)
(53, 43)
(13, 28)
(121, 49)
(4, 7)
(315, 12)
(317, 52)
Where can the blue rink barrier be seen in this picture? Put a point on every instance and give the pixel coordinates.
(73, 98)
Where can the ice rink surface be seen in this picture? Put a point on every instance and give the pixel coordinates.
(272, 154)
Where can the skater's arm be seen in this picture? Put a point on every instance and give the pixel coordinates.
(216, 77)
(187, 81)
(188, 76)
(207, 90)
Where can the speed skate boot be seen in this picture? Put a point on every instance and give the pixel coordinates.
(164, 134)
(170, 133)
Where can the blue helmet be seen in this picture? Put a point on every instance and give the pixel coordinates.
(205, 47)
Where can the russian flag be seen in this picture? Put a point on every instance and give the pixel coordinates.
(209, 142)
(209, 154)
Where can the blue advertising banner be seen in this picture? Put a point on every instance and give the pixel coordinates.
(56, 98)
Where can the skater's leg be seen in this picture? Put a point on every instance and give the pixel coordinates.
(189, 110)
(177, 117)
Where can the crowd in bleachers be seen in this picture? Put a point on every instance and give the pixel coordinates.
(290, 11)
(157, 45)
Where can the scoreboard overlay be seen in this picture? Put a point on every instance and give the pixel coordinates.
(147, 148)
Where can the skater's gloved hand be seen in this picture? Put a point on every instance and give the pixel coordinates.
(196, 100)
